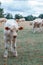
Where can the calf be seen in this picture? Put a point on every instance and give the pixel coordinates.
(36, 26)
(10, 34)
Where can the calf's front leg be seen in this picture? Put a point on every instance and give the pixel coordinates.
(7, 42)
(13, 46)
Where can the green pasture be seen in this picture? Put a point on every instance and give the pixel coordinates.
(29, 47)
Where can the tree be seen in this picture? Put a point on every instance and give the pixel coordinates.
(0, 3)
(29, 18)
(1, 11)
(18, 16)
(9, 16)
(41, 16)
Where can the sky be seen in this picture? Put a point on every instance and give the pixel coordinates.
(23, 7)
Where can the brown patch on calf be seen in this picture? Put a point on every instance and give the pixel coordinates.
(42, 24)
(36, 24)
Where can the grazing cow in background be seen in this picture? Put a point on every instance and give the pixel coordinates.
(22, 20)
(37, 25)
(42, 25)
(10, 34)
(3, 20)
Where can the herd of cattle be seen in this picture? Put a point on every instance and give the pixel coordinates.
(11, 28)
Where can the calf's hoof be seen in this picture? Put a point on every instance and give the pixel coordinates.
(5, 55)
(15, 54)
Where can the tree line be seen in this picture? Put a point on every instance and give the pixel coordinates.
(17, 16)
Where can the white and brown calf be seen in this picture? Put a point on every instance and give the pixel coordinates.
(37, 26)
(10, 34)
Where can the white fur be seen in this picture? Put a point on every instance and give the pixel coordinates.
(9, 36)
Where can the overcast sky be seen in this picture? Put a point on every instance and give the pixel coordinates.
(23, 7)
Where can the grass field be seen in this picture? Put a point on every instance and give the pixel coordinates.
(29, 47)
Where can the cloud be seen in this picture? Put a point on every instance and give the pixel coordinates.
(36, 6)
(24, 7)
(6, 1)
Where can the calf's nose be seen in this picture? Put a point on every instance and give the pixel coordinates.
(14, 36)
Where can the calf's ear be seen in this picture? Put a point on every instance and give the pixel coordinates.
(20, 28)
